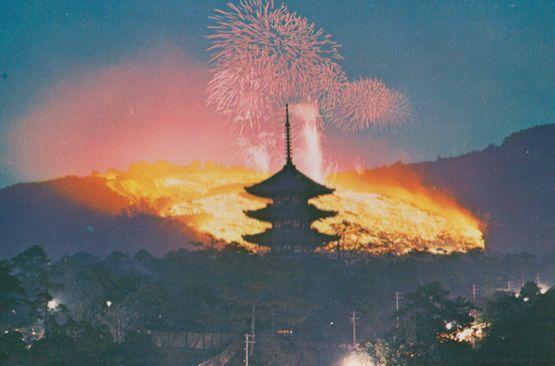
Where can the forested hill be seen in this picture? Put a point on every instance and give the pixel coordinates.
(72, 214)
(511, 187)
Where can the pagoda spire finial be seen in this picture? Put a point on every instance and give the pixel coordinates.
(288, 156)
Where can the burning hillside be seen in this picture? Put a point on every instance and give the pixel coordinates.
(377, 212)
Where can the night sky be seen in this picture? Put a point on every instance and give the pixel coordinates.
(474, 73)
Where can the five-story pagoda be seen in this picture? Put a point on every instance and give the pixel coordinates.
(289, 212)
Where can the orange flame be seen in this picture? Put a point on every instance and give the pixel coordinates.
(398, 214)
(394, 210)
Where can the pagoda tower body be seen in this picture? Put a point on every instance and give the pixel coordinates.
(289, 212)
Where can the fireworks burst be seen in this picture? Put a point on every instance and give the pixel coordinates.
(263, 56)
(369, 102)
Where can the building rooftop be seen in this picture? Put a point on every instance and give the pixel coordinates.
(289, 181)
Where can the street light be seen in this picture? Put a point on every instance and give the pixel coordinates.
(358, 359)
(53, 304)
(543, 288)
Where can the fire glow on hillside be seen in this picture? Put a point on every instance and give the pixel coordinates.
(396, 213)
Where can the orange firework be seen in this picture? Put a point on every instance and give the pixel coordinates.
(369, 102)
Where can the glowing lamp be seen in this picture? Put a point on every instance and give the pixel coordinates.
(357, 359)
(52, 304)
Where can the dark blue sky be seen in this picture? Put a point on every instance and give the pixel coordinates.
(474, 71)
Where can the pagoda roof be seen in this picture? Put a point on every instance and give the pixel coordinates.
(278, 237)
(287, 182)
(304, 212)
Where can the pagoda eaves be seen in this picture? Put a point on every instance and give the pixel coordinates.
(289, 213)
(297, 212)
(289, 180)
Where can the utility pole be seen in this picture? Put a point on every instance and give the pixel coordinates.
(474, 288)
(46, 324)
(538, 278)
(509, 286)
(249, 338)
(253, 319)
(397, 298)
(247, 349)
(45, 318)
(354, 323)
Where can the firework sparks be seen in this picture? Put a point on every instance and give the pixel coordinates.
(310, 152)
(360, 165)
(369, 102)
(256, 149)
(263, 56)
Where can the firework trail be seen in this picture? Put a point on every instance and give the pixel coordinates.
(263, 56)
(310, 153)
(369, 102)
(359, 165)
(256, 149)
(313, 153)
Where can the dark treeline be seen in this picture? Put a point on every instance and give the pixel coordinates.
(86, 310)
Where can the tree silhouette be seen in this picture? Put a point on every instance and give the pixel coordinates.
(522, 328)
(350, 240)
(428, 323)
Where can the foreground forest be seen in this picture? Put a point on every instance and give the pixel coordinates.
(459, 309)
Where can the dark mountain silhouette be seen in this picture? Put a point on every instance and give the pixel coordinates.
(73, 214)
(511, 187)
